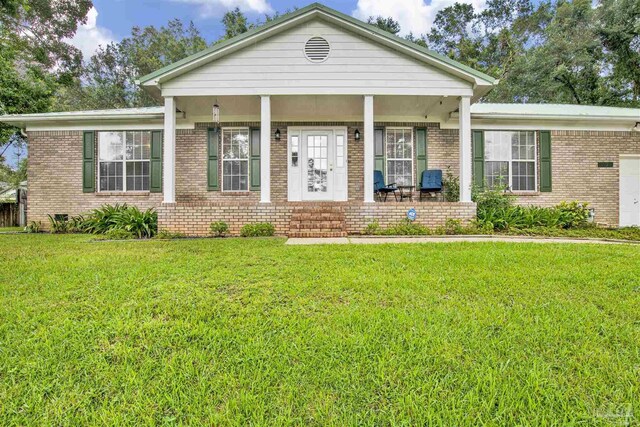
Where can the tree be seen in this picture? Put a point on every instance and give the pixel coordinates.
(387, 24)
(568, 64)
(108, 80)
(38, 29)
(619, 30)
(35, 59)
(234, 23)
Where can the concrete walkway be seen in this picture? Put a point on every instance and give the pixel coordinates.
(373, 240)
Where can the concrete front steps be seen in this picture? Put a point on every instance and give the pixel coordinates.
(317, 221)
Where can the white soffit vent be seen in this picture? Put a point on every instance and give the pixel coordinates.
(317, 49)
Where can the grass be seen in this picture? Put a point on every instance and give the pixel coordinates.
(626, 233)
(11, 229)
(253, 332)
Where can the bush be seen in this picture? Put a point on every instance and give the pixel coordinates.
(451, 184)
(497, 215)
(59, 224)
(128, 218)
(168, 235)
(402, 228)
(33, 227)
(573, 214)
(219, 228)
(62, 224)
(258, 229)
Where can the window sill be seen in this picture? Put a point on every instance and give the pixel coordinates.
(237, 193)
(123, 193)
(524, 193)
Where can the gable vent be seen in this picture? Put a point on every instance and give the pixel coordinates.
(316, 49)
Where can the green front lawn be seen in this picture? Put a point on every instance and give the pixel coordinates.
(253, 332)
(11, 229)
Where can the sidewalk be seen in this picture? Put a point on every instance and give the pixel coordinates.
(373, 240)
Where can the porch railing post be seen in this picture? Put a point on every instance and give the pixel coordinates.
(368, 149)
(265, 149)
(169, 167)
(465, 148)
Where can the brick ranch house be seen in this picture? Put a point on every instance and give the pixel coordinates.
(287, 124)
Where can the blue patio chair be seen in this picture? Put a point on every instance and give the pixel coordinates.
(380, 189)
(431, 182)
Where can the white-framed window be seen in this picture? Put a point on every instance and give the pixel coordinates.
(123, 160)
(399, 154)
(235, 159)
(510, 159)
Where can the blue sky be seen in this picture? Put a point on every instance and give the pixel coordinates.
(111, 20)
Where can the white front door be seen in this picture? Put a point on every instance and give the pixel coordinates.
(317, 162)
(630, 191)
(320, 173)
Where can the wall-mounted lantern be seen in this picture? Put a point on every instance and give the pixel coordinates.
(356, 134)
(277, 134)
(216, 114)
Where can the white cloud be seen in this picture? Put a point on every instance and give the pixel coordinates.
(219, 7)
(89, 35)
(415, 16)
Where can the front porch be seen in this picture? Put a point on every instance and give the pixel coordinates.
(310, 178)
(301, 219)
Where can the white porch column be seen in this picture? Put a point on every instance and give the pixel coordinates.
(169, 161)
(465, 148)
(368, 149)
(265, 149)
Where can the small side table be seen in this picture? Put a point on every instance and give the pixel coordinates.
(406, 192)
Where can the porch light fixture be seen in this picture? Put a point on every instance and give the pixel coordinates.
(216, 113)
(356, 135)
(637, 126)
(277, 134)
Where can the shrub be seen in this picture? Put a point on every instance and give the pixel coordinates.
(33, 227)
(168, 235)
(372, 228)
(453, 227)
(258, 229)
(451, 184)
(128, 218)
(63, 224)
(507, 217)
(402, 228)
(59, 224)
(573, 214)
(219, 228)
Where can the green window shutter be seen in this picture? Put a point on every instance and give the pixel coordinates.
(545, 161)
(421, 151)
(254, 159)
(155, 186)
(378, 150)
(478, 158)
(213, 136)
(89, 162)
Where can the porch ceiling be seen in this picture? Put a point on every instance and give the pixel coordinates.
(324, 108)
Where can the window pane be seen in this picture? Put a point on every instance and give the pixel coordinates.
(523, 176)
(400, 156)
(110, 146)
(110, 176)
(137, 176)
(496, 173)
(235, 159)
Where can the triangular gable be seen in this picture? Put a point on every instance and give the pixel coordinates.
(354, 65)
(332, 16)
